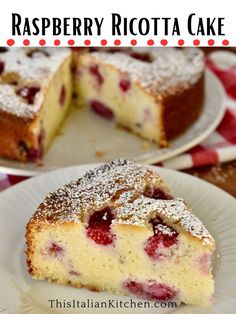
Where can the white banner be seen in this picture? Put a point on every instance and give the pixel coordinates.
(117, 23)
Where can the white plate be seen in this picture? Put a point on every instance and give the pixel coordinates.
(84, 134)
(21, 294)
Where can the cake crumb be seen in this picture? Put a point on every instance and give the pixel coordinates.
(99, 153)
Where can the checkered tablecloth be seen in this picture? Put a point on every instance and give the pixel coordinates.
(220, 146)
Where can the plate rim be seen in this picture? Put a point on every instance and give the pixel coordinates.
(146, 158)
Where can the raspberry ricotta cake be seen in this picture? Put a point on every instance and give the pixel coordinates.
(156, 93)
(119, 229)
(35, 94)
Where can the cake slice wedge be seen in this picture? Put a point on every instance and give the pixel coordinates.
(119, 229)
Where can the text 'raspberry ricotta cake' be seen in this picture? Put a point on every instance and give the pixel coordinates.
(119, 229)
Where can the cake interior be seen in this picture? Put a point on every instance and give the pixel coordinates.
(158, 261)
(57, 101)
(35, 103)
(113, 95)
(119, 229)
(152, 94)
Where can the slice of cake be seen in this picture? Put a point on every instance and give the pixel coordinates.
(119, 229)
(156, 93)
(35, 94)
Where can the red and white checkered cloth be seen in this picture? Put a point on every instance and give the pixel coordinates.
(9, 180)
(220, 146)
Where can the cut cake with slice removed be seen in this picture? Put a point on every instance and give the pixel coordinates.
(156, 93)
(119, 229)
(35, 95)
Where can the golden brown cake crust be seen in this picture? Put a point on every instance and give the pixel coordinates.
(174, 77)
(169, 70)
(25, 67)
(182, 97)
(121, 185)
(14, 134)
(182, 109)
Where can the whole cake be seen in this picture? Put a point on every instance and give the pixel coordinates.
(156, 94)
(119, 229)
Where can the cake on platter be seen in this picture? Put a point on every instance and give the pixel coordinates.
(156, 94)
(118, 228)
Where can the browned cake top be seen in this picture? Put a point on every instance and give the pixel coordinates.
(23, 68)
(162, 70)
(121, 185)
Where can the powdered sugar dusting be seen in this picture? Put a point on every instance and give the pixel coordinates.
(163, 229)
(120, 185)
(171, 69)
(100, 187)
(27, 67)
(175, 211)
(11, 102)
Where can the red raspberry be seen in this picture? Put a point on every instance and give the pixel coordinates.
(101, 109)
(62, 95)
(164, 237)
(150, 289)
(124, 85)
(99, 227)
(157, 193)
(94, 71)
(34, 154)
(28, 93)
(55, 250)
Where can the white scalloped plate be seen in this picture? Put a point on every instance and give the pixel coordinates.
(84, 133)
(21, 294)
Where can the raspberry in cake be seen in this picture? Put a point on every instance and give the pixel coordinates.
(156, 94)
(118, 228)
(35, 94)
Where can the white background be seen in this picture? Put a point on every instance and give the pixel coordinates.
(127, 8)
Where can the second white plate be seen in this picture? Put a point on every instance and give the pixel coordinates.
(84, 136)
(19, 293)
